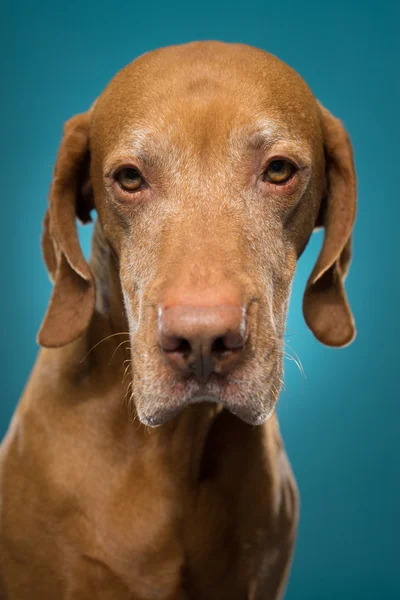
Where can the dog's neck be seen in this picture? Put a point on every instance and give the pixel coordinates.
(106, 349)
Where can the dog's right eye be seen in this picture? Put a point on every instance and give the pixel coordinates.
(279, 171)
(129, 179)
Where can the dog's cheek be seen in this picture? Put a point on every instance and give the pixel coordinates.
(282, 287)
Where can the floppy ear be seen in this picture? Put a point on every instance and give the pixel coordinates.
(72, 302)
(325, 306)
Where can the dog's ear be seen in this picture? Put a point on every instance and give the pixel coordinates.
(325, 306)
(72, 302)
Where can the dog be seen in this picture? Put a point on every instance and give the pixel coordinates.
(144, 460)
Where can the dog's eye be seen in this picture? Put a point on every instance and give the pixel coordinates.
(129, 179)
(279, 171)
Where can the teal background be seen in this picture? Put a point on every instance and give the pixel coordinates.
(341, 424)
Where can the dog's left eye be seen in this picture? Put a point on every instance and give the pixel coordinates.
(279, 171)
(129, 179)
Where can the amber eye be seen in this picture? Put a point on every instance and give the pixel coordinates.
(129, 179)
(279, 171)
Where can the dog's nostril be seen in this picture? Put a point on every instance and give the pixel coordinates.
(176, 344)
(218, 346)
(183, 347)
(234, 340)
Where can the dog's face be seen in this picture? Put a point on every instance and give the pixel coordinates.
(209, 166)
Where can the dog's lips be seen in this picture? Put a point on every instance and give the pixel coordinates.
(218, 391)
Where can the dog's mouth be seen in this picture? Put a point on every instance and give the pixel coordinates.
(250, 399)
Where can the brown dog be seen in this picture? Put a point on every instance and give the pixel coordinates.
(209, 166)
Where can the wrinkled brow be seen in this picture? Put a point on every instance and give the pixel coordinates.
(264, 134)
(146, 148)
(141, 147)
(262, 140)
(259, 135)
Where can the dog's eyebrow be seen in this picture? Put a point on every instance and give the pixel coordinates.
(140, 148)
(260, 134)
(262, 140)
(263, 135)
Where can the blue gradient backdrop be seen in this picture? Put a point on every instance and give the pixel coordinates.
(341, 424)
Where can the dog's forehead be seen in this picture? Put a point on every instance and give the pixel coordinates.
(205, 90)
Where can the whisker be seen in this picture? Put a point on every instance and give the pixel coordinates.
(292, 332)
(126, 372)
(283, 384)
(116, 349)
(298, 361)
(103, 340)
(127, 390)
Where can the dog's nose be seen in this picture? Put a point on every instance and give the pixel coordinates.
(202, 339)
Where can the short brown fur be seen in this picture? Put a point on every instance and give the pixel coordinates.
(204, 506)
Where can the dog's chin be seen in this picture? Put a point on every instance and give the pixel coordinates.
(161, 417)
(155, 412)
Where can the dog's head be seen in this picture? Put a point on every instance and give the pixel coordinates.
(209, 166)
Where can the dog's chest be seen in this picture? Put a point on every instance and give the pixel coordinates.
(155, 552)
(169, 545)
(132, 543)
(114, 529)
